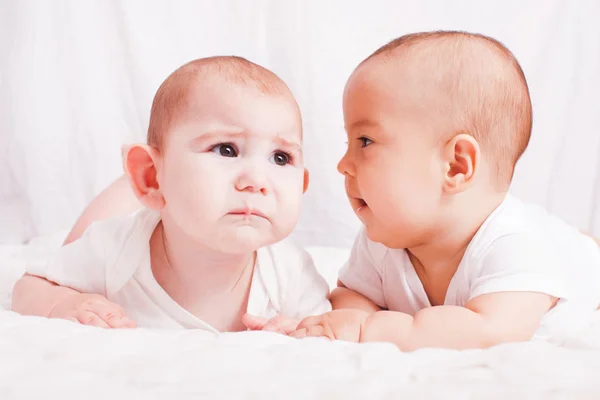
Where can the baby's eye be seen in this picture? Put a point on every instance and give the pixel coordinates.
(280, 158)
(364, 142)
(225, 150)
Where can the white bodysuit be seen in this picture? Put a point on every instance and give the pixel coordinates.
(112, 259)
(518, 248)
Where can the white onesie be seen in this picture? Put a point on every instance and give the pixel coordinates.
(112, 259)
(518, 248)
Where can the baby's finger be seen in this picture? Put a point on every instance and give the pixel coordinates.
(111, 313)
(270, 328)
(90, 318)
(309, 321)
(286, 331)
(120, 321)
(282, 325)
(114, 315)
(315, 331)
(253, 322)
(288, 326)
(299, 334)
(311, 331)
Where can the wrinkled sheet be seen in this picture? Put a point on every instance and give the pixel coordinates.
(51, 359)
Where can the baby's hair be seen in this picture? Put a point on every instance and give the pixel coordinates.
(174, 93)
(481, 90)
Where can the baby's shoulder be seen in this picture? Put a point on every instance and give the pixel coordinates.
(530, 222)
(520, 235)
(128, 247)
(515, 225)
(122, 230)
(119, 238)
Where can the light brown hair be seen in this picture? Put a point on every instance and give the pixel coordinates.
(174, 93)
(480, 88)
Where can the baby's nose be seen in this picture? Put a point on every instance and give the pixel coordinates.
(252, 180)
(344, 167)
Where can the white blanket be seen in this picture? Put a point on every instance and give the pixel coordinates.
(51, 359)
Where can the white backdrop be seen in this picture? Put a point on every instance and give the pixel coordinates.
(77, 79)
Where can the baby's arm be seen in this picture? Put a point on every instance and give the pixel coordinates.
(73, 284)
(116, 199)
(342, 297)
(33, 295)
(485, 321)
(513, 286)
(37, 296)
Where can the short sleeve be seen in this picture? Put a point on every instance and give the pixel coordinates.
(362, 272)
(307, 292)
(519, 262)
(81, 264)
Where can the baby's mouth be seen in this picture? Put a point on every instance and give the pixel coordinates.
(360, 203)
(247, 212)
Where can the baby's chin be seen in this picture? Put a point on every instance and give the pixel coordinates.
(244, 239)
(393, 238)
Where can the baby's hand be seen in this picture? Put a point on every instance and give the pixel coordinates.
(342, 324)
(276, 324)
(91, 309)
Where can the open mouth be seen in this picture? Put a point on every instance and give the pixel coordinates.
(359, 204)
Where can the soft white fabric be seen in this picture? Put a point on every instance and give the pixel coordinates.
(77, 80)
(518, 248)
(56, 359)
(112, 259)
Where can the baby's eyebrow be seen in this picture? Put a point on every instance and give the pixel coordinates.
(233, 133)
(219, 132)
(293, 145)
(362, 123)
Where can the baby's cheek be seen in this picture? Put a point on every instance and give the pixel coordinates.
(193, 199)
(290, 189)
(288, 215)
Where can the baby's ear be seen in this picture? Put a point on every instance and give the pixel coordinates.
(306, 180)
(461, 162)
(140, 163)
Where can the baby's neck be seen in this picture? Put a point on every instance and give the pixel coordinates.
(201, 279)
(442, 253)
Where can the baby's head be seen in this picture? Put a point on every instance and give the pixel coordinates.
(433, 120)
(223, 162)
